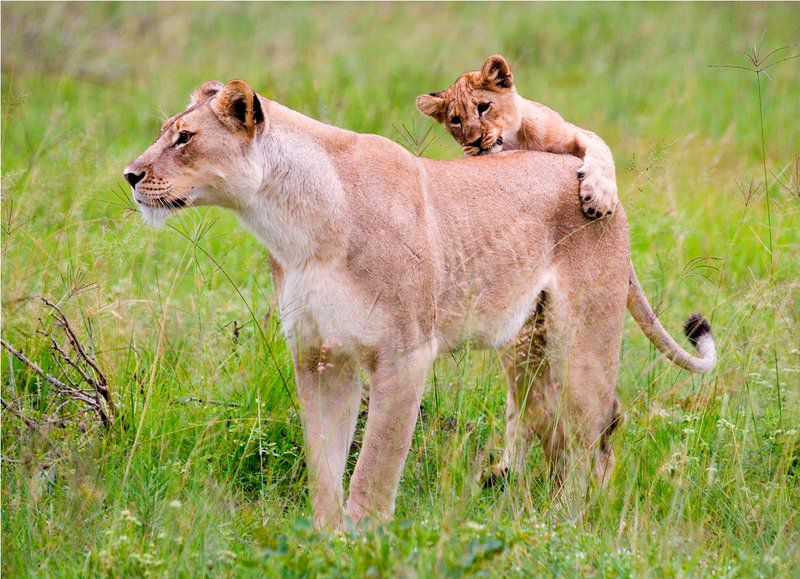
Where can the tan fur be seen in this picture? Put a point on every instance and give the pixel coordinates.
(511, 122)
(384, 260)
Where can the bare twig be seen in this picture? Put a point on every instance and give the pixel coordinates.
(55, 382)
(31, 424)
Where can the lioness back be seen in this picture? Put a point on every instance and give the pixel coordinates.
(504, 220)
(511, 223)
(512, 181)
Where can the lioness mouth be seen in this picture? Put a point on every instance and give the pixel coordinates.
(163, 203)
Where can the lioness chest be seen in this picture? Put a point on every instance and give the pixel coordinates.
(320, 305)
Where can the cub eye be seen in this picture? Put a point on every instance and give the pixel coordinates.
(483, 107)
(184, 137)
(455, 120)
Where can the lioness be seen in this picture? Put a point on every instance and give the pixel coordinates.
(383, 260)
(484, 113)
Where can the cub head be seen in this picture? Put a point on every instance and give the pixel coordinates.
(479, 109)
(202, 155)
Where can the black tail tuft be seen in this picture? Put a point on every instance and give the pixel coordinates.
(696, 327)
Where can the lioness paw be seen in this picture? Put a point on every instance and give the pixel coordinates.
(598, 191)
(496, 476)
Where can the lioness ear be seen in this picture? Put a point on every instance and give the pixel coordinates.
(432, 105)
(496, 72)
(237, 105)
(204, 91)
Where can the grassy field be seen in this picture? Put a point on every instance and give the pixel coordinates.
(202, 471)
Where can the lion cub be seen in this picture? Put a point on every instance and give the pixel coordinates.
(485, 114)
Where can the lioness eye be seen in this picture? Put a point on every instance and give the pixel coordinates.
(483, 107)
(455, 120)
(184, 137)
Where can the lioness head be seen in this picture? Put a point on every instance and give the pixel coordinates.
(478, 108)
(198, 157)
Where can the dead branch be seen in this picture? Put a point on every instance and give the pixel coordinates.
(33, 366)
(99, 382)
(60, 386)
(81, 379)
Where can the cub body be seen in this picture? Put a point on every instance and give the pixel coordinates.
(484, 113)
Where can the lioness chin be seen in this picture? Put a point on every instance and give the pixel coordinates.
(382, 260)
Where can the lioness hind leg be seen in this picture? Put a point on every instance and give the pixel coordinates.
(583, 353)
(577, 421)
(605, 463)
(524, 366)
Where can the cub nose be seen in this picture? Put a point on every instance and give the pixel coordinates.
(134, 178)
(477, 142)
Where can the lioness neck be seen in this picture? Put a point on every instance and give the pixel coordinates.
(298, 210)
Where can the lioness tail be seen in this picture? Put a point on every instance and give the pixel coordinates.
(696, 328)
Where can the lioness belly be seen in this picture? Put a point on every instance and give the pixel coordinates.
(487, 318)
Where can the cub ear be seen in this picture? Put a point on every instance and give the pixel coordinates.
(496, 72)
(238, 106)
(204, 91)
(432, 105)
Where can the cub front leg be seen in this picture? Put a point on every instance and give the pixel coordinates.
(543, 129)
(396, 390)
(598, 190)
(329, 394)
(597, 176)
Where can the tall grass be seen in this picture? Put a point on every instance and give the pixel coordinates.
(202, 472)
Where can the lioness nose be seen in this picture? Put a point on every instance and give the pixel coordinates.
(134, 178)
(477, 142)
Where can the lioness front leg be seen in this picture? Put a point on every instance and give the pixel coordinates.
(396, 390)
(329, 394)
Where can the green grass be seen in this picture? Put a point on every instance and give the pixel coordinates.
(708, 474)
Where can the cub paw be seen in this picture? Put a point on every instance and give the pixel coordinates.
(598, 192)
